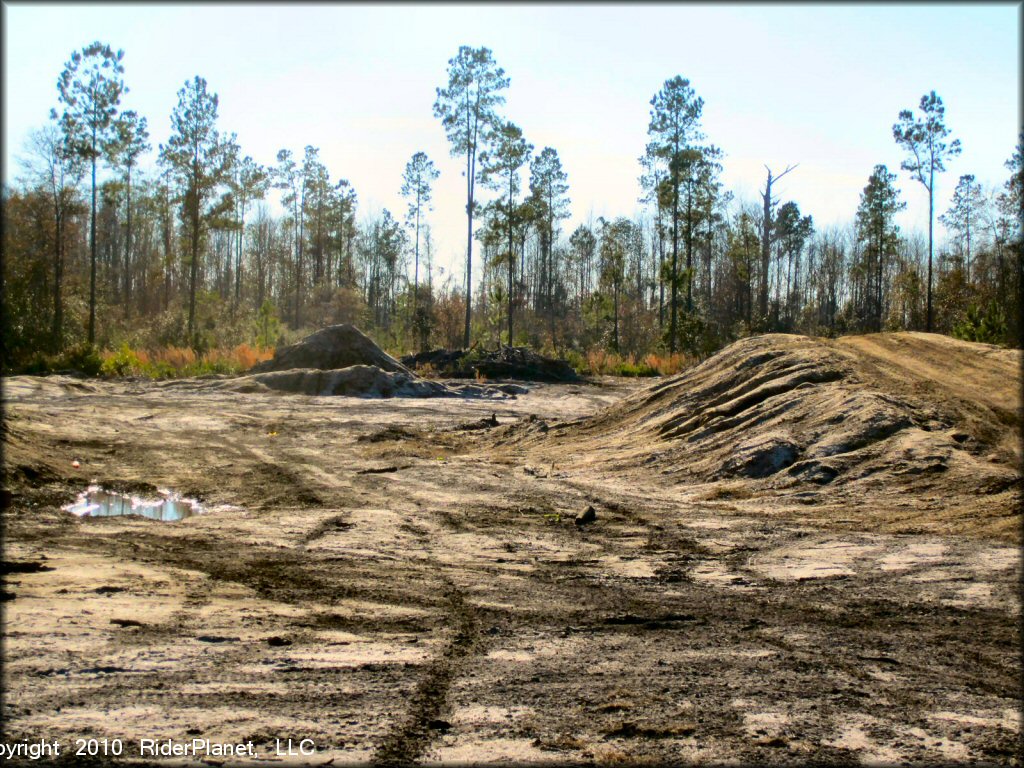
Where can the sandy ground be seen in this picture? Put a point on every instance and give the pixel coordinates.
(375, 577)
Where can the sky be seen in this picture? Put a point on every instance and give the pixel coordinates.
(816, 86)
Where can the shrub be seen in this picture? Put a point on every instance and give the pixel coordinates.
(39, 363)
(81, 357)
(124, 362)
(988, 327)
(629, 367)
(577, 361)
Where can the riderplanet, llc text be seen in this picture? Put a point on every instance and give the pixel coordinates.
(47, 748)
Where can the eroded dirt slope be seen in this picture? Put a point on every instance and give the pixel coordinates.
(901, 432)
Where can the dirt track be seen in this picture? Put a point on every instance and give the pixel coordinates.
(375, 578)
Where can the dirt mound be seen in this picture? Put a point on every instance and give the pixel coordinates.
(908, 426)
(342, 360)
(503, 363)
(331, 348)
(359, 381)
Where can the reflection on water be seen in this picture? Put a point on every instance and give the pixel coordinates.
(96, 502)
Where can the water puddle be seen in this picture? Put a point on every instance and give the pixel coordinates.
(97, 502)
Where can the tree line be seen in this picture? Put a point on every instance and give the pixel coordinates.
(99, 252)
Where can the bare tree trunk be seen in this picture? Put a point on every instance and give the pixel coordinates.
(616, 310)
(766, 238)
(193, 274)
(470, 156)
(416, 265)
(674, 276)
(92, 251)
(689, 246)
(511, 267)
(128, 245)
(931, 215)
(298, 254)
(238, 252)
(58, 277)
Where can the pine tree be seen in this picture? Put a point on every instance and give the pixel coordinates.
(674, 131)
(501, 166)
(131, 140)
(417, 179)
(90, 89)
(879, 203)
(467, 110)
(924, 138)
(199, 159)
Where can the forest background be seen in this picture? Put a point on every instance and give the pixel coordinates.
(127, 255)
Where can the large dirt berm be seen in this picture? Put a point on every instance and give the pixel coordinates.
(907, 417)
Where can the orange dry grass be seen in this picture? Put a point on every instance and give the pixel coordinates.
(175, 357)
(604, 362)
(668, 365)
(246, 357)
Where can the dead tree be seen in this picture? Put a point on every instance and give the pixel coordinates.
(766, 242)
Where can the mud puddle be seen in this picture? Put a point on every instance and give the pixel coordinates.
(100, 502)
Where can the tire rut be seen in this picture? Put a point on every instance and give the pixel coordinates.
(410, 736)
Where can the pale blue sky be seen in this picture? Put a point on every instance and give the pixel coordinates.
(818, 85)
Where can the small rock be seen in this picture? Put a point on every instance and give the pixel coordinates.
(588, 515)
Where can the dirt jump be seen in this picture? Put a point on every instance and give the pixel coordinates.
(801, 550)
(902, 432)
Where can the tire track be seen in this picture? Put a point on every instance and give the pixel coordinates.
(410, 736)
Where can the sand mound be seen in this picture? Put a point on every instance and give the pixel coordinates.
(503, 363)
(331, 348)
(916, 421)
